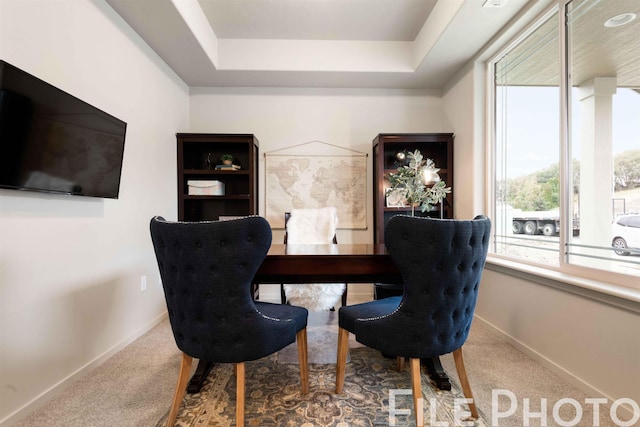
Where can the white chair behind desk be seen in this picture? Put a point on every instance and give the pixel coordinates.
(312, 227)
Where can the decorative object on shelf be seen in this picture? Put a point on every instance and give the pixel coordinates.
(400, 159)
(208, 163)
(205, 188)
(396, 198)
(226, 159)
(418, 183)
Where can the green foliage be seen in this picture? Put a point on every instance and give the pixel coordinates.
(533, 192)
(409, 181)
(536, 192)
(540, 191)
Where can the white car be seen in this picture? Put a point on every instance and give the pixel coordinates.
(626, 235)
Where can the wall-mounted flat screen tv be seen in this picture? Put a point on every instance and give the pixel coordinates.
(54, 142)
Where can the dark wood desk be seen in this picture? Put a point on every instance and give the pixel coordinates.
(342, 263)
(356, 263)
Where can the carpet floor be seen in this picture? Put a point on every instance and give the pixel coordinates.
(135, 387)
(274, 399)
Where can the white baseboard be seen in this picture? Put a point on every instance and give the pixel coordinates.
(47, 395)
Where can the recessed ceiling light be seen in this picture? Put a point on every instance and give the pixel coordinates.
(620, 20)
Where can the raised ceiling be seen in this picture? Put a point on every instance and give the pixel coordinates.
(417, 44)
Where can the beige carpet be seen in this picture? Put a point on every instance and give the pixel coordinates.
(134, 388)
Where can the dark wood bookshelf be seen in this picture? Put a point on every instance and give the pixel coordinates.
(241, 186)
(435, 146)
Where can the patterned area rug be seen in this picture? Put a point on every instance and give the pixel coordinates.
(273, 396)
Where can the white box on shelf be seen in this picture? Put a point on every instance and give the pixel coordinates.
(205, 188)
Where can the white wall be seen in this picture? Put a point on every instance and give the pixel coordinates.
(461, 107)
(591, 343)
(70, 267)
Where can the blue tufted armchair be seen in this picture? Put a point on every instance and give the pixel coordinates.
(206, 270)
(441, 261)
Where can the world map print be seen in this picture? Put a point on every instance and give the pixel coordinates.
(298, 182)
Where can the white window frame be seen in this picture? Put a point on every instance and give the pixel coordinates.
(590, 279)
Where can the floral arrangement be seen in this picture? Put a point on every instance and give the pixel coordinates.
(412, 183)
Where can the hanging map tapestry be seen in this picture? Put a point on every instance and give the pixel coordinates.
(297, 182)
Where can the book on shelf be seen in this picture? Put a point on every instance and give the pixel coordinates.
(227, 167)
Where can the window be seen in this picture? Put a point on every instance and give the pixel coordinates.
(527, 94)
(566, 162)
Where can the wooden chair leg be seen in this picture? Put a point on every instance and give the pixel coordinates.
(464, 381)
(301, 338)
(240, 394)
(283, 295)
(414, 364)
(400, 363)
(181, 388)
(341, 361)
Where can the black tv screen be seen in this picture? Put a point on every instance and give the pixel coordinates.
(54, 142)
